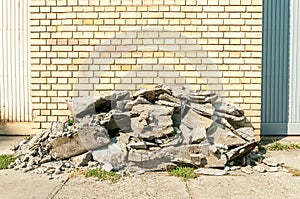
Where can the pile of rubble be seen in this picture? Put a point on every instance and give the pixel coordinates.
(154, 129)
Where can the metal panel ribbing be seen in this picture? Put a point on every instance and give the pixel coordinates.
(275, 85)
(14, 62)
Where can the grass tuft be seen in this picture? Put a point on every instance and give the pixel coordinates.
(184, 173)
(293, 171)
(277, 146)
(6, 160)
(103, 175)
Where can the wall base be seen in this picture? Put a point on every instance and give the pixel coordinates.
(17, 128)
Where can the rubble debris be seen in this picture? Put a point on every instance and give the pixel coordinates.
(261, 168)
(210, 171)
(248, 169)
(81, 160)
(155, 129)
(81, 107)
(270, 161)
(66, 147)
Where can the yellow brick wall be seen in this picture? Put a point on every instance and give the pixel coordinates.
(82, 47)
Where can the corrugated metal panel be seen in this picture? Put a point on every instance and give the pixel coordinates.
(14, 61)
(275, 87)
(294, 109)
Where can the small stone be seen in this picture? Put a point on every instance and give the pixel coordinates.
(45, 159)
(11, 165)
(229, 108)
(247, 169)
(261, 168)
(140, 172)
(274, 169)
(67, 164)
(50, 177)
(270, 161)
(247, 133)
(57, 172)
(138, 100)
(167, 166)
(167, 103)
(285, 170)
(107, 167)
(92, 164)
(234, 168)
(28, 168)
(138, 145)
(81, 160)
(23, 164)
(198, 134)
(209, 171)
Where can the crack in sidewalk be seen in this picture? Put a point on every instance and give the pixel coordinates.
(189, 190)
(57, 189)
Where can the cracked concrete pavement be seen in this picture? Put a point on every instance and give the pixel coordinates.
(15, 184)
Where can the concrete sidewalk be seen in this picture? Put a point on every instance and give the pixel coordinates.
(15, 184)
(7, 142)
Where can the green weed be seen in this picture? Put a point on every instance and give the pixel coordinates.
(277, 146)
(6, 160)
(103, 175)
(184, 173)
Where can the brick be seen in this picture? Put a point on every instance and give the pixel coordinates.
(235, 9)
(125, 61)
(212, 34)
(213, 8)
(174, 15)
(252, 8)
(147, 61)
(168, 61)
(61, 9)
(83, 48)
(147, 74)
(234, 22)
(234, 35)
(87, 15)
(61, 61)
(37, 3)
(212, 21)
(61, 87)
(62, 48)
(130, 15)
(66, 28)
(87, 28)
(60, 112)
